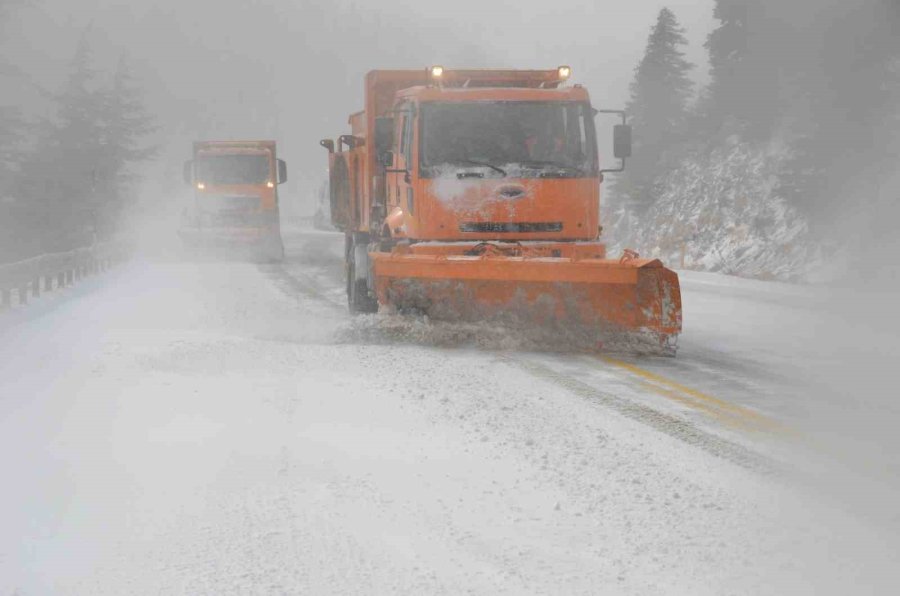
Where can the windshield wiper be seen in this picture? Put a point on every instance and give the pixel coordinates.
(485, 164)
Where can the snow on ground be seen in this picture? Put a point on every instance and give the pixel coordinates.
(217, 428)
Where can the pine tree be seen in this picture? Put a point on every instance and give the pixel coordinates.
(849, 99)
(751, 55)
(658, 109)
(126, 123)
(728, 53)
(59, 177)
(11, 122)
(75, 183)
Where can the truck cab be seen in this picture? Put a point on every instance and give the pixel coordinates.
(488, 164)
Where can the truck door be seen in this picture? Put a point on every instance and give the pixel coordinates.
(400, 188)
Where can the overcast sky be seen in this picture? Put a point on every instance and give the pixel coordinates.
(292, 70)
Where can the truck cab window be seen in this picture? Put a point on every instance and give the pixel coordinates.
(531, 139)
(233, 169)
(408, 137)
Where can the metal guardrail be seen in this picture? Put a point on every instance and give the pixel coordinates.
(38, 274)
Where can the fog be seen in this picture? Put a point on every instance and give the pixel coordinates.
(293, 71)
(201, 424)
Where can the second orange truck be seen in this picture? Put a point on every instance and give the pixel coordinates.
(234, 203)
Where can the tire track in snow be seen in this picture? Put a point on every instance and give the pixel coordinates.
(667, 424)
(725, 411)
(293, 283)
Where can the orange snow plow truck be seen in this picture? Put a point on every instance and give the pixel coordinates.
(473, 195)
(234, 205)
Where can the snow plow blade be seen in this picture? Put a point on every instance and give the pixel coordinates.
(604, 300)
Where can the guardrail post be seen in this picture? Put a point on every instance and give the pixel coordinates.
(36, 286)
(48, 283)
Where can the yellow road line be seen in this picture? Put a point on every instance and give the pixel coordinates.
(702, 400)
(723, 417)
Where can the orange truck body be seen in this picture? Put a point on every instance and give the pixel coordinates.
(477, 240)
(234, 197)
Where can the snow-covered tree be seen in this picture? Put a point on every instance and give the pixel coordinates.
(660, 97)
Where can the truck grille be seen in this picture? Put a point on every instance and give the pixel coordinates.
(511, 227)
(235, 203)
(232, 210)
(241, 218)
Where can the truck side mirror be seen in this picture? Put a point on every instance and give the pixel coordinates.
(384, 134)
(188, 172)
(386, 158)
(282, 171)
(622, 141)
(328, 144)
(351, 141)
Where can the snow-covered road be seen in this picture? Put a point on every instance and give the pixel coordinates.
(218, 428)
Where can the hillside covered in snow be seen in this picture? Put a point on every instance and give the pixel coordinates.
(721, 211)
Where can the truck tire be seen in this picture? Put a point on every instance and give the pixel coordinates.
(359, 300)
(270, 249)
(275, 250)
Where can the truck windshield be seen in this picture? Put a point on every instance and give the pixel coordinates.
(232, 169)
(518, 139)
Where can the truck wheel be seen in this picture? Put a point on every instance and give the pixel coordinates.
(272, 250)
(276, 252)
(358, 298)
